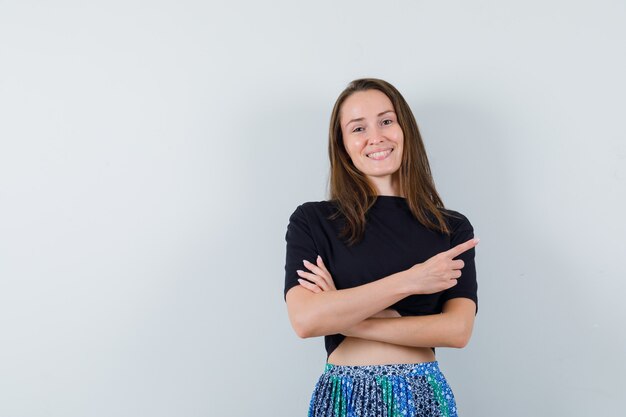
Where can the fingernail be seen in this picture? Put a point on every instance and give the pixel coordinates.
(319, 257)
(304, 261)
(476, 240)
(298, 271)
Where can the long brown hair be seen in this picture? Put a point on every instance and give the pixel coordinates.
(354, 194)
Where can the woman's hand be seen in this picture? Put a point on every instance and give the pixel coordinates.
(323, 281)
(320, 277)
(439, 272)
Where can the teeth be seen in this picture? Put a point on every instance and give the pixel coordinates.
(377, 154)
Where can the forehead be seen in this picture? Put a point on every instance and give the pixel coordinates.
(368, 103)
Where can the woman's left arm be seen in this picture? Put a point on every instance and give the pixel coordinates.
(451, 328)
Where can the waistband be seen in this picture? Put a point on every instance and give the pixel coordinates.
(404, 369)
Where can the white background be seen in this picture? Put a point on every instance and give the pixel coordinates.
(151, 154)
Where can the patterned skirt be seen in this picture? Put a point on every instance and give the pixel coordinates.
(406, 390)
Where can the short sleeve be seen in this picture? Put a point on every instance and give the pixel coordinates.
(466, 286)
(300, 245)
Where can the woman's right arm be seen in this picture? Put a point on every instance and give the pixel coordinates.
(329, 312)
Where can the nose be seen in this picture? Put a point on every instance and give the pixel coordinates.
(374, 136)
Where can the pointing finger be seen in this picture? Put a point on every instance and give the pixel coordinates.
(462, 247)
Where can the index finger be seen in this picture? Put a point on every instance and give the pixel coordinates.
(462, 247)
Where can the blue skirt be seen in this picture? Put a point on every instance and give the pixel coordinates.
(404, 389)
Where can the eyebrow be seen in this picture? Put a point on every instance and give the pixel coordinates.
(363, 118)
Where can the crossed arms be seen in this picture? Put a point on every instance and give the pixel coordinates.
(317, 309)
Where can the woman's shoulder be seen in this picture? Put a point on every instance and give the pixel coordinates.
(456, 220)
(317, 205)
(315, 208)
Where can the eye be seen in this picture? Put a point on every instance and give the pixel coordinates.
(387, 121)
(356, 129)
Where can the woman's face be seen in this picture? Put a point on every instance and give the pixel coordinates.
(371, 134)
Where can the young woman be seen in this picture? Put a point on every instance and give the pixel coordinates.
(382, 269)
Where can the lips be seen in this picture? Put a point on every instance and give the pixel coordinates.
(380, 154)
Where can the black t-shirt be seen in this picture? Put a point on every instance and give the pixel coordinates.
(393, 241)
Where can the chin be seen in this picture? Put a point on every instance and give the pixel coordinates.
(381, 173)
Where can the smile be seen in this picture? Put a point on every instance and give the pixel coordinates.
(378, 156)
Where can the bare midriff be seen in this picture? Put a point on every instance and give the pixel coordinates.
(356, 351)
